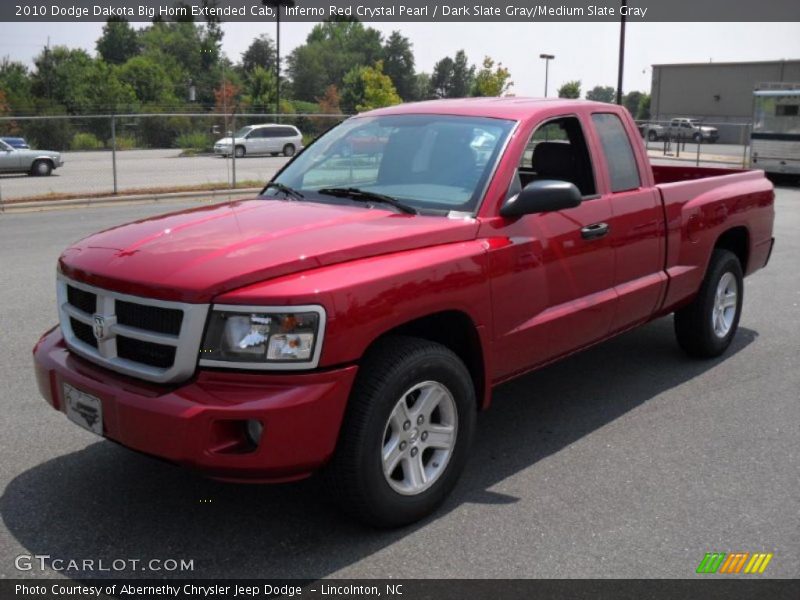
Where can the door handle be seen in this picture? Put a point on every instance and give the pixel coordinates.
(594, 231)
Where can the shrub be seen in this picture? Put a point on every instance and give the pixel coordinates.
(85, 141)
(125, 142)
(196, 141)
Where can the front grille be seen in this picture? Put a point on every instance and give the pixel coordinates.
(83, 332)
(147, 353)
(149, 318)
(81, 299)
(156, 340)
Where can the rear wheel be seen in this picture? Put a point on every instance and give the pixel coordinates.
(406, 435)
(652, 135)
(288, 150)
(240, 151)
(705, 328)
(41, 168)
(697, 137)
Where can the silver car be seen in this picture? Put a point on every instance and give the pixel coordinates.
(269, 138)
(32, 162)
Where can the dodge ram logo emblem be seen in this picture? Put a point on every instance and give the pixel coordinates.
(99, 327)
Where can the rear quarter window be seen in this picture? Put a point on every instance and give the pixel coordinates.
(623, 172)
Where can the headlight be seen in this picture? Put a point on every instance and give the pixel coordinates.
(259, 337)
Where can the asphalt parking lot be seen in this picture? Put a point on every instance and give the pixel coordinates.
(628, 460)
(92, 173)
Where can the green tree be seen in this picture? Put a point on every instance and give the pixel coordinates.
(367, 88)
(150, 81)
(398, 64)
(631, 102)
(260, 89)
(260, 53)
(602, 93)
(119, 41)
(643, 111)
(186, 52)
(378, 89)
(60, 77)
(441, 80)
(571, 89)
(491, 80)
(15, 83)
(463, 76)
(452, 77)
(422, 86)
(332, 49)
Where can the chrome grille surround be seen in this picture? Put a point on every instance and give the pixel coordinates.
(186, 343)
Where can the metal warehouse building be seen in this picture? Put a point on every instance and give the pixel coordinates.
(715, 92)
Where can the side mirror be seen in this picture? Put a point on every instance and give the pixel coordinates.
(544, 195)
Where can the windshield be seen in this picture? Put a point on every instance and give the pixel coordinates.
(243, 132)
(431, 162)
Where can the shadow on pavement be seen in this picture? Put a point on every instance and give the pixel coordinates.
(105, 502)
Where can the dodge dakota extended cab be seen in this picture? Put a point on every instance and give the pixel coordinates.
(354, 317)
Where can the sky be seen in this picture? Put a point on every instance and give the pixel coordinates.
(584, 51)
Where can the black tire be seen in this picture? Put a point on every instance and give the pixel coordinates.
(41, 168)
(355, 474)
(289, 150)
(652, 136)
(698, 138)
(240, 151)
(694, 324)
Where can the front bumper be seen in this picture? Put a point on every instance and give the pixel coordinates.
(224, 150)
(199, 424)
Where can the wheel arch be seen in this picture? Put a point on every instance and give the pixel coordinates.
(47, 159)
(455, 330)
(737, 241)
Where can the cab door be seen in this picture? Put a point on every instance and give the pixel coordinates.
(552, 273)
(636, 225)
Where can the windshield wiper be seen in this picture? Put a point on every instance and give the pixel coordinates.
(365, 196)
(291, 192)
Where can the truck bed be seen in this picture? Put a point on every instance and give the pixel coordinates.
(699, 204)
(673, 174)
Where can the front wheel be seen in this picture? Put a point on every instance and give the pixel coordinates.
(41, 168)
(240, 151)
(698, 137)
(652, 136)
(705, 328)
(406, 435)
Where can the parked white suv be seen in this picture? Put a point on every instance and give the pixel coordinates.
(269, 138)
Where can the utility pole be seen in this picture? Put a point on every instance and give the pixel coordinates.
(547, 58)
(621, 67)
(278, 5)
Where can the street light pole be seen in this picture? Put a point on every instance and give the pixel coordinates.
(621, 67)
(547, 58)
(278, 5)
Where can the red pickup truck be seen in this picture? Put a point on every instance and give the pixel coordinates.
(354, 317)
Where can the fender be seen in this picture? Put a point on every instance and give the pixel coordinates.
(369, 297)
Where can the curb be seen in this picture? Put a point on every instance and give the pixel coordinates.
(125, 199)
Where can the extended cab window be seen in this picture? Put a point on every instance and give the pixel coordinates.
(431, 162)
(557, 150)
(623, 173)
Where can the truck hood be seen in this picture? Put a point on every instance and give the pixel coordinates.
(195, 255)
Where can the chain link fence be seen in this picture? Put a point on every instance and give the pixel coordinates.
(174, 152)
(697, 141)
(144, 153)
